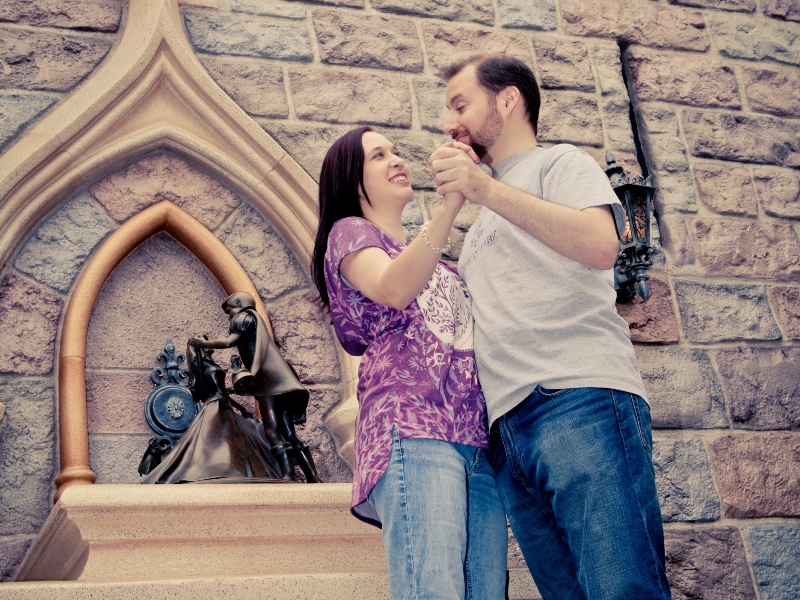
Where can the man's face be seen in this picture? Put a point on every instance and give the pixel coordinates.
(472, 116)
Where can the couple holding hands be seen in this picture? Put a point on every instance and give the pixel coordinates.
(556, 434)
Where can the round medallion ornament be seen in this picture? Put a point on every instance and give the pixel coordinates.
(175, 408)
(169, 409)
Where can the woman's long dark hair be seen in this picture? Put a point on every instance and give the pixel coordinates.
(341, 178)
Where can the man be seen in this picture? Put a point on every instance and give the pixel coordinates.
(570, 429)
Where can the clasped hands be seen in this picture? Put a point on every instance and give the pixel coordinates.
(454, 167)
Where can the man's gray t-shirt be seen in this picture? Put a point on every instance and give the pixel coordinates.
(541, 318)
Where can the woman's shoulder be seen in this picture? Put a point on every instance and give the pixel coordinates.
(353, 224)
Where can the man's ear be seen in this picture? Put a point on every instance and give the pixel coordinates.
(508, 99)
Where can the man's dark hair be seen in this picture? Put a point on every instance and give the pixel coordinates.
(495, 73)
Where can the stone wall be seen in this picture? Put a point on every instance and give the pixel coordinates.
(715, 91)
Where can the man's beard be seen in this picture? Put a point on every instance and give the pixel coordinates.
(487, 134)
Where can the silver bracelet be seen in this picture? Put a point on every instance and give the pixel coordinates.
(428, 242)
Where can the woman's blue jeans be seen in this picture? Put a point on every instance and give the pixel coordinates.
(444, 527)
(575, 473)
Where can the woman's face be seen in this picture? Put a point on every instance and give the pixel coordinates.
(387, 179)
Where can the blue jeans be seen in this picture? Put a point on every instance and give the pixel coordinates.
(444, 527)
(575, 473)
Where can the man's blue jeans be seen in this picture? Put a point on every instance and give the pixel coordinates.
(575, 473)
(444, 527)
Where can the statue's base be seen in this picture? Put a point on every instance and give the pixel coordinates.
(199, 541)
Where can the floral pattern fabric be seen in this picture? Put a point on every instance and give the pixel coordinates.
(418, 372)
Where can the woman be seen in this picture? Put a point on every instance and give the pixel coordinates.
(420, 468)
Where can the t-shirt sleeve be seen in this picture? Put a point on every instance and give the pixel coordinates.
(574, 179)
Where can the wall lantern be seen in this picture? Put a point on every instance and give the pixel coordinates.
(635, 250)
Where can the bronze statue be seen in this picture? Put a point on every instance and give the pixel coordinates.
(261, 371)
(220, 445)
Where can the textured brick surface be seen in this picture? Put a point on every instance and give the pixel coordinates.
(614, 100)
(746, 249)
(449, 44)
(707, 563)
(683, 478)
(56, 252)
(115, 400)
(351, 97)
(652, 322)
(478, 11)
(430, 94)
(368, 41)
(165, 177)
(99, 15)
(564, 64)
(682, 389)
(17, 110)
(115, 458)
(778, 192)
(248, 36)
(539, 15)
(12, 551)
(736, 5)
(762, 385)
(158, 292)
(740, 37)
(782, 9)
(773, 90)
(306, 143)
(643, 23)
(677, 241)
(256, 87)
(48, 61)
(30, 315)
(27, 453)
(659, 76)
(775, 560)
(570, 117)
(732, 136)
(270, 264)
(726, 190)
(758, 476)
(712, 312)
(276, 8)
(786, 304)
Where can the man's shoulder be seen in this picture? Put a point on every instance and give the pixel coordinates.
(244, 322)
(565, 152)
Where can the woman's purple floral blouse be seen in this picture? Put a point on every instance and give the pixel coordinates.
(418, 373)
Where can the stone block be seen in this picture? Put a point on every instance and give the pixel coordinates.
(707, 563)
(564, 64)
(538, 15)
(676, 241)
(100, 15)
(683, 479)
(744, 37)
(57, 250)
(782, 9)
(30, 315)
(748, 249)
(48, 61)
(652, 322)
(27, 453)
(115, 458)
(720, 312)
(476, 11)
(614, 103)
(413, 217)
(644, 23)
(775, 560)
(733, 136)
(682, 389)
(778, 192)
(679, 78)
(330, 466)
(762, 385)
(165, 177)
(734, 5)
(360, 40)
(274, 8)
(269, 262)
(726, 190)
(774, 90)
(160, 291)
(786, 304)
(351, 97)
(758, 475)
(570, 117)
(12, 551)
(17, 110)
(447, 45)
(256, 87)
(306, 143)
(217, 33)
(115, 399)
(430, 94)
